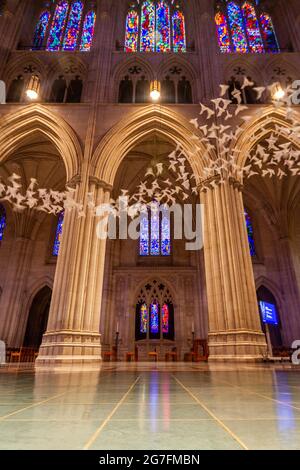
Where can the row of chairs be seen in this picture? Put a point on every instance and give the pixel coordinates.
(18, 355)
(199, 352)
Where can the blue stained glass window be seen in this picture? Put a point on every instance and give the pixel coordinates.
(41, 29)
(250, 233)
(73, 26)
(165, 234)
(58, 26)
(2, 221)
(163, 38)
(155, 26)
(250, 30)
(88, 31)
(155, 230)
(144, 235)
(236, 23)
(268, 33)
(154, 319)
(58, 234)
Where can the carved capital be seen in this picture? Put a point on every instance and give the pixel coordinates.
(100, 183)
(74, 182)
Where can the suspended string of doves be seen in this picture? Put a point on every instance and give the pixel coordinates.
(274, 156)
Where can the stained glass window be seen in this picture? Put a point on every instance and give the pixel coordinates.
(250, 233)
(252, 28)
(88, 31)
(132, 31)
(58, 234)
(143, 319)
(165, 234)
(163, 39)
(144, 235)
(73, 26)
(2, 222)
(155, 230)
(69, 29)
(155, 26)
(236, 23)
(244, 29)
(147, 27)
(268, 33)
(41, 29)
(179, 37)
(154, 319)
(165, 319)
(223, 33)
(58, 26)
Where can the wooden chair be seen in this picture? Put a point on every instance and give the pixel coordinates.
(173, 356)
(129, 356)
(153, 355)
(107, 356)
(190, 357)
(201, 350)
(15, 355)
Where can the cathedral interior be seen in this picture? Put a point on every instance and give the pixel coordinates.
(99, 95)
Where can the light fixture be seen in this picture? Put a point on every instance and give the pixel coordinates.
(278, 92)
(155, 89)
(33, 88)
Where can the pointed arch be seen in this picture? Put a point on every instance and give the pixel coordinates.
(260, 128)
(16, 127)
(130, 130)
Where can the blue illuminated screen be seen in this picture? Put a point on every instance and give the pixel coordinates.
(268, 313)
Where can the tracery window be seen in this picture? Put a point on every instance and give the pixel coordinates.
(2, 221)
(155, 26)
(69, 25)
(250, 233)
(155, 232)
(155, 313)
(58, 234)
(242, 27)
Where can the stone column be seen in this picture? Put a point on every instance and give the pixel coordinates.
(73, 332)
(290, 312)
(233, 317)
(11, 315)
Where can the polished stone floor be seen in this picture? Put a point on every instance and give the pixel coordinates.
(151, 406)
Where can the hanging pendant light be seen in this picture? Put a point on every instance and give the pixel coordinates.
(155, 90)
(278, 92)
(33, 88)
